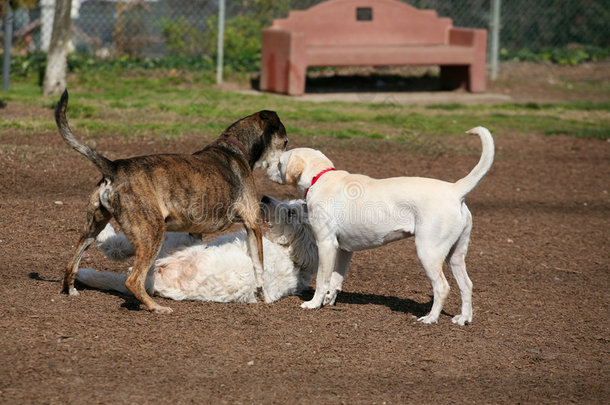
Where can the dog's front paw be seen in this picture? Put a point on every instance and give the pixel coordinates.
(428, 319)
(462, 319)
(311, 305)
(330, 297)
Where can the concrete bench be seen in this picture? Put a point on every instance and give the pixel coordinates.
(369, 33)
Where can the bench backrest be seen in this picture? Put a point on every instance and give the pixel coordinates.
(367, 22)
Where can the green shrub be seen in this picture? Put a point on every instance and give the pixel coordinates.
(242, 38)
(242, 42)
(572, 55)
(181, 38)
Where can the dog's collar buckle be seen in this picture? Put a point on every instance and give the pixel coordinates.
(317, 177)
(236, 142)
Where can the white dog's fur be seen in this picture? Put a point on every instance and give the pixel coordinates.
(351, 212)
(221, 271)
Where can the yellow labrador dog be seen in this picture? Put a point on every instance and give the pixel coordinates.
(351, 212)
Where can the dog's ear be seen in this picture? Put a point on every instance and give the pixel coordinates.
(271, 127)
(267, 115)
(294, 169)
(269, 120)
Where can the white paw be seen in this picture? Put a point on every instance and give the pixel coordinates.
(330, 297)
(311, 305)
(162, 310)
(462, 319)
(73, 292)
(428, 319)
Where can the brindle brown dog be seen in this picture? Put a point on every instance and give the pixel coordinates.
(199, 193)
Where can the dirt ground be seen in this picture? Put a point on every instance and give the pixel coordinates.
(538, 259)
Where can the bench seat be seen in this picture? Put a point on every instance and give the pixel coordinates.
(373, 55)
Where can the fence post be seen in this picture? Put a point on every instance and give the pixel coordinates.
(221, 34)
(494, 26)
(8, 40)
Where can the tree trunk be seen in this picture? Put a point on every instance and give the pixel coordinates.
(57, 57)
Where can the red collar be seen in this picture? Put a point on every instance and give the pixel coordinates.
(318, 178)
(235, 142)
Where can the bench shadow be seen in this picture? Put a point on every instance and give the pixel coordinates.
(404, 305)
(374, 83)
(377, 83)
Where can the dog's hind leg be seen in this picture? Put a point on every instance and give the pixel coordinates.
(336, 279)
(147, 241)
(97, 218)
(103, 280)
(431, 255)
(457, 263)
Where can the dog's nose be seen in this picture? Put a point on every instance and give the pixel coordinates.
(265, 199)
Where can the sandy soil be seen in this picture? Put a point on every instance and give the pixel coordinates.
(538, 259)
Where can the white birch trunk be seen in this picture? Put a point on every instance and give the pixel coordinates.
(57, 57)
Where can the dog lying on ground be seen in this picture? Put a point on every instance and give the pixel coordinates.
(200, 193)
(351, 212)
(221, 271)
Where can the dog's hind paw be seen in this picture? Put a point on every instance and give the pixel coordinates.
(462, 319)
(330, 298)
(73, 292)
(162, 310)
(428, 319)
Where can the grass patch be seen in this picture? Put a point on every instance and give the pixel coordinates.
(572, 105)
(448, 106)
(118, 104)
(160, 104)
(584, 133)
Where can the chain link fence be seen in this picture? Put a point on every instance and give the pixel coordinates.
(188, 28)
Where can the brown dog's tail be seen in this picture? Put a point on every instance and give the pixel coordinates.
(468, 183)
(106, 166)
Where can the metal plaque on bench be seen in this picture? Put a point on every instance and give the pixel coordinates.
(364, 14)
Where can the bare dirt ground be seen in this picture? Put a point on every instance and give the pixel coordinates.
(538, 259)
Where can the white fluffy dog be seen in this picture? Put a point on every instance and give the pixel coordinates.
(351, 212)
(221, 271)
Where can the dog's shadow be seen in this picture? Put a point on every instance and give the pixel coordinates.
(130, 303)
(404, 305)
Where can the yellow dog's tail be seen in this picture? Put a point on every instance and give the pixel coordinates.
(468, 183)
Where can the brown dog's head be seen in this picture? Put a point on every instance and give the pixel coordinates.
(263, 136)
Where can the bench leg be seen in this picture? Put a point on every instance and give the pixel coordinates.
(283, 64)
(477, 77)
(297, 75)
